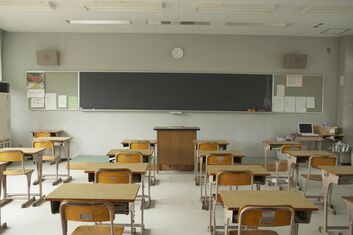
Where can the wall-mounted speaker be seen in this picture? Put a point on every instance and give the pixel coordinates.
(295, 61)
(48, 57)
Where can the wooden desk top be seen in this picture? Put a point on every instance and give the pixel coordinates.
(348, 199)
(48, 130)
(127, 141)
(308, 153)
(234, 200)
(338, 170)
(139, 168)
(81, 162)
(176, 128)
(108, 192)
(275, 142)
(203, 153)
(26, 151)
(55, 138)
(257, 170)
(144, 152)
(219, 142)
(299, 137)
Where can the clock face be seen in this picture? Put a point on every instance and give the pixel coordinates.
(177, 53)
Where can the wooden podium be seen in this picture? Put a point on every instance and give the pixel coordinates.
(175, 147)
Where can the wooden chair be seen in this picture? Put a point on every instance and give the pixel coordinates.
(263, 216)
(198, 163)
(128, 157)
(282, 164)
(113, 176)
(314, 163)
(41, 134)
(89, 211)
(231, 179)
(16, 156)
(49, 157)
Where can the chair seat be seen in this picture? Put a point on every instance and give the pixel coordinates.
(253, 232)
(49, 158)
(313, 177)
(18, 172)
(97, 230)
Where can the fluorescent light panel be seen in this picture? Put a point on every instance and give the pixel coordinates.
(26, 6)
(99, 22)
(248, 24)
(329, 9)
(234, 7)
(176, 22)
(124, 6)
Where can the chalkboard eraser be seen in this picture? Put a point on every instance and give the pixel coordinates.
(176, 112)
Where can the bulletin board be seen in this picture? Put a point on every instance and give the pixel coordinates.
(52, 90)
(297, 93)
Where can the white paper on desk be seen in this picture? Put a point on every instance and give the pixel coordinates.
(50, 101)
(280, 90)
(300, 104)
(278, 104)
(37, 102)
(35, 93)
(62, 101)
(310, 102)
(289, 104)
(294, 80)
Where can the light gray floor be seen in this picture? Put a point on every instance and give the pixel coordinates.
(176, 209)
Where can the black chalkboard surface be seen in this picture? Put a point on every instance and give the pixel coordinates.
(175, 91)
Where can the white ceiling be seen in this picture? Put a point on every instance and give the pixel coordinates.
(287, 11)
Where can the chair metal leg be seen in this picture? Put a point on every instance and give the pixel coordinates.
(58, 180)
(29, 199)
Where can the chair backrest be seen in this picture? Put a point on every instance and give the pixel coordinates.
(48, 145)
(13, 156)
(291, 147)
(235, 178)
(128, 157)
(140, 145)
(207, 146)
(86, 211)
(219, 159)
(265, 216)
(113, 176)
(41, 134)
(316, 161)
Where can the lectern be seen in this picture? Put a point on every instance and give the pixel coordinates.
(175, 147)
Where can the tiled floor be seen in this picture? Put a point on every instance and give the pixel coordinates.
(176, 209)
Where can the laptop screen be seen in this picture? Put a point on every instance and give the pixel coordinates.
(305, 128)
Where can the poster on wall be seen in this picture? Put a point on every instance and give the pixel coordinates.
(35, 80)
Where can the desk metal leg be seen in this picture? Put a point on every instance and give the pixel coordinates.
(67, 150)
(265, 155)
(39, 164)
(142, 202)
(2, 225)
(200, 175)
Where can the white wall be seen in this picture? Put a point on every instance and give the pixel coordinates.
(96, 132)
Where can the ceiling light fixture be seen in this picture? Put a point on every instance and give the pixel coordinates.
(329, 9)
(124, 6)
(249, 24)
(176, 22)
(99, 22)
(234, 7)
(26, 6)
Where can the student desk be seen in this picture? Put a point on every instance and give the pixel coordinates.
(81, 162)
(36, 153)
(52, 132)
(64, 143)
(338, 175)
(137, 169)
(2, 168)
(222, 145)
(114, 193)
(317, 139)
(153, 144)
(234, 200)
(270, 145)
(349, 203)
(146, 153)
(296, 157)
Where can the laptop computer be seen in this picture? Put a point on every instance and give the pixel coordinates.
(306, 129)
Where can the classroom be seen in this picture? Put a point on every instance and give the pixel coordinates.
(176, 117)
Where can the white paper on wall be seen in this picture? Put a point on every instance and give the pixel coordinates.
(278, 104)
(300, 104)
(280, 90)
(50, 101)
(310, 102)
(37, 102)
(37, 93)
(294, 80)
(62, 101)
(289, 104)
